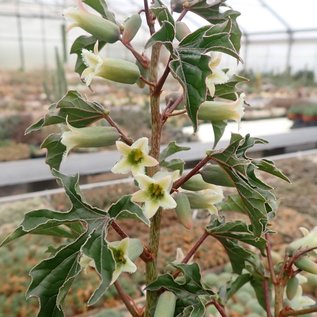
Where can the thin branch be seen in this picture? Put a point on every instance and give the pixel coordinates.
(269, 258)
(298, 312)
(295, 257)
(160, 83)
(184, 11)
(124, 137)
(128, 301)
(170, 107)
(178, 113)
(147, 82)
(193, 172)
(192, 251)
(142, 59)
(267, 300)
(149, 18)
(146, 255)
(220, 308)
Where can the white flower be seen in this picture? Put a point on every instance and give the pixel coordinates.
(120, 252)
(94, 63)
(154, 193)
(206, 198)
(222, 110)
(134, 158)
(217, 75)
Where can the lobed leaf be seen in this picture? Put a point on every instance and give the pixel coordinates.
(171, 149)
(55, 150)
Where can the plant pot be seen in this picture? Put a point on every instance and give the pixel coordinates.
(308, 118)
(294, 116)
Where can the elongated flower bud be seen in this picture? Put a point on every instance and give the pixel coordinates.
(95, 136)
(117, 70)
(291, 287)
(182, 30)
(214, 174)
(307, 242)
(100, 28)
(131, 27)
(183, 210)
(196, 183)
(166, 305)
(222, 110)
(307, 265)
(206, 199)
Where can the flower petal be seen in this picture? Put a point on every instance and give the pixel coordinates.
(139, 197)
(144, 181)
(129, 266)
(121, 167)
(150, 208)
(115, 274)
(149, 161)
(123, 148)
(166, 182)
(142, 144)
(137, 169)
(168, 202)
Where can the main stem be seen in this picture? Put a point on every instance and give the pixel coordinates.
(154, 239)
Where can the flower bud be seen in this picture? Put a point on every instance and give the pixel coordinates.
(291, 287)
(183, 210)
(182, 30)
(166, 305)
(222, 110)
(214, 174)
(307, 242)
(307, 265)
(196, 183)
(206, 199)
(117, 70)
(95, 136)
(131, 27)
(100, 28)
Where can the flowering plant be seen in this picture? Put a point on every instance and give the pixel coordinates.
(209, 94)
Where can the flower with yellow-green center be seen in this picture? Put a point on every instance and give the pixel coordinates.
(154, 193)
(123, 263)
(217, 75)
(134, 158)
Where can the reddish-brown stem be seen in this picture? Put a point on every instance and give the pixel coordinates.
(267, 300)
(140, 58)
(220, 308)
(174, 114)
(127, 300)
(193, 250)
(269, 258)
(182, 15)
(160, 83)
(146, 255)
(193, 172)
(170, 108)
(147, 82)
(124, 137)
(290, 312)
(149, 18)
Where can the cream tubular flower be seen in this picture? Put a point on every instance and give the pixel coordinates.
(217, 75)
(206, 199)
(222, 110)
(118, 70)
(134, 158)
(154, 193)
(120, 252)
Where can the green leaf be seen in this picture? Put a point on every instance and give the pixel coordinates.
(52, 274)
(189, 284)
(233, 203)
(171, 149)
(219, 128)
(257, 284)
(195, 310)
(191, 68)
(164, 35)
(215, 38)
(55, 150)
(235, 230)
(269, 167)
(79, 112)
(161, 12)
(101, 7)
(174, 164)
(237, 284)
(211, 12)
(97, 248)
(84, 42)
(124, 208)
(45, 221)
(228, 90)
